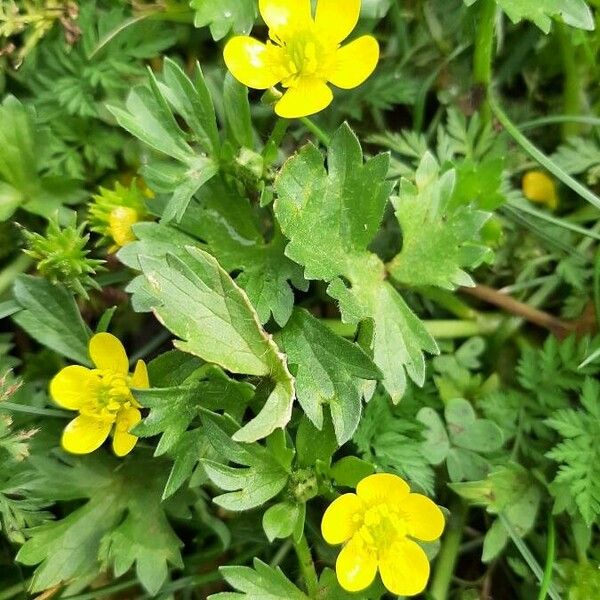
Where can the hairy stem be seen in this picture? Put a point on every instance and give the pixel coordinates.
(513, 306)
(307, 566)
(446, 560)
(441, 329)
(550, 556)
(573, 84)
(484, 51)
(323, 137)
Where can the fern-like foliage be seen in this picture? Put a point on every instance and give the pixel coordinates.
(581, 155)
(70, 84)
(578, 454)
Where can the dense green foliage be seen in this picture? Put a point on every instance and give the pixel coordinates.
(371, 289)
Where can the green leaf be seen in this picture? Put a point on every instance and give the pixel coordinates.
(224, 16)
(577, 454)
(350, 470)
(438, 242)
(314, 445)
(573, 12)
(345, 205)
(227, 222)
(330, 371)
(468, 432)
(193, 102)
(436, 445)
(21, 185)
(280, 520)
(237, 112)
(258, 478)
(510, 490)
(259, 583)
(150, 116)
(50, 316)
(172, 410)
(198, 301)
(122, 524)
(461, 442)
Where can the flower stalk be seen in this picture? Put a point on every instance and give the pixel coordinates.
(307, 565)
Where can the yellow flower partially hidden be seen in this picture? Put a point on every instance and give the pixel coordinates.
(304, 53)
(541, 188)
(102, 396)
(378, 526)
(113, 212)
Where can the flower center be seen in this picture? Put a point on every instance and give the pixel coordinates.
(381, 526)
(303, 54)
(112, 395)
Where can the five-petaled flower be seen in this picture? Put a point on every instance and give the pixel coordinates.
(304, 53)
(540, 187)
(378, 526)
(102, 396)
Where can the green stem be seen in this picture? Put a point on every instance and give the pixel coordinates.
(323, 137)
(441, 329)
(527, 555)
(33, 410)
(484, 50)
(307, 566)
(449, 301)
(446, 560)
(156, 342)
(274, 141)
(550, 556)
(10, 272)
(281, 553)
(572, 88)
(453, 329)
(538, 155)
(558, 119)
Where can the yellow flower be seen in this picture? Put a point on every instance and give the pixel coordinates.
(102, 396)
(304, 53)
(378, 526)
(539, 187)
(113, 212)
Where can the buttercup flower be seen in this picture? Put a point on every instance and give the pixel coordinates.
(378, 526)
(304, 53)
(539, 187)
(102, 396)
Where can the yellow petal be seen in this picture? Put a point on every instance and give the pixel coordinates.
(85, 434)
(72, 386)
(308, 97)
(282, 16)
(107, 352)
(337, 18)
(355, 567)
(139, 379)
(355, 62)
(338, 525)
(246, 58)
(424, 518)
(123, 441)
(120, 221)
(404, 569)
(382, 488)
